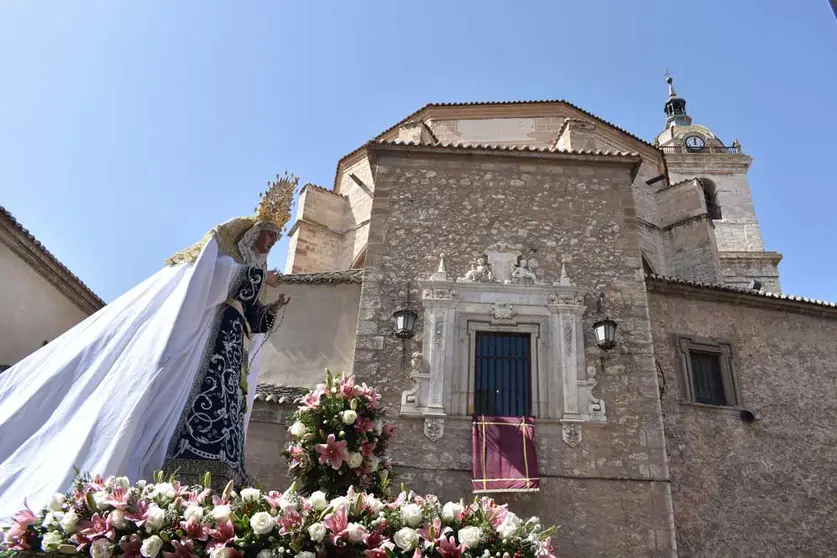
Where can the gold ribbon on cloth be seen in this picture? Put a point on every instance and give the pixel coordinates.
(504, 456)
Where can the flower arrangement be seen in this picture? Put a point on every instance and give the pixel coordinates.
(109, 517)
(339, 439)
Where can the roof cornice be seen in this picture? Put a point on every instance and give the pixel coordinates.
(25, 246)
(737, 295)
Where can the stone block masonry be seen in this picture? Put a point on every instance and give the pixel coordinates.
(579, 213)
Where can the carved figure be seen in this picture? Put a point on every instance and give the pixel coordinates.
(480, 271)
(522, 274)
(415, 362)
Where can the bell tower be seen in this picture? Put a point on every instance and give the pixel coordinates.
(694, 152)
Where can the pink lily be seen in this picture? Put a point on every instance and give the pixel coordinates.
(333, 452)
(364, 425)
(433, 532)
(336, 523)
(118, 499)
(290, 520)
(194, 529)
(97, 527)
(139, 516)
(199, 497)
(390, 430)
(182, 549)
(449, 549)
(222, 535)
(347, 387)
(312, 400)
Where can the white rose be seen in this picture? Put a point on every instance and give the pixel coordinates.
(221, 513)
(349, 417)
(451, 510)
(373, 463)
(154, 518)
(51, 540)
(117, 518)
(298, 430)
(318, 500)
(405, 538)
(224, 552)
(265, 553)
(355, 460)
(306, 554)
(122, 482)
(317, 532)
(164, 489)
(412, 514)
(151, 546)
(510, 524)
(470, 536)
(56, 503)
(250, 494)
(193, 512)
(262, 523)
(101, 548)
(378, 426)
(69, 522)
(141, 484)
(355, 532)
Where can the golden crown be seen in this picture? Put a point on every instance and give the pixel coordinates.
(275, 204)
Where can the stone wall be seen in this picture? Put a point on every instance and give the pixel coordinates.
(764, 488)
(613, 487)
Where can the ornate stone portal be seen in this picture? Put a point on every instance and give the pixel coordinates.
(502, 295)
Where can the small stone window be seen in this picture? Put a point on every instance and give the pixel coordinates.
(710, 195)
(706, 372)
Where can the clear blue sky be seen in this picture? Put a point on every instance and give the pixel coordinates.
(128, 129)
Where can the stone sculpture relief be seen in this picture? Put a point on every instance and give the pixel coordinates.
(409, 398)
(571, 433)
(480, 271)
(502, 311)
(434, 428)
(522, 274)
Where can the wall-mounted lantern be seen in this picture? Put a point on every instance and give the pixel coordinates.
(405, 319)
(605, 328)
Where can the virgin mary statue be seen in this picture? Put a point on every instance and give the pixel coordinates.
(158, 379)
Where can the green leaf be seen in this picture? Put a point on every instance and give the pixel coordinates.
(91, 502)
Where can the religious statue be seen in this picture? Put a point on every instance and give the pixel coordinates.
(160, 378)
(522, 275)
(415, 362)
(480, 271)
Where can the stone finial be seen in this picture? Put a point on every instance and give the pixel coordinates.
(442, 272)
(565, 279)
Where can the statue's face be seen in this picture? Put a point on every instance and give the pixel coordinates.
(524, 263)
(265, 241)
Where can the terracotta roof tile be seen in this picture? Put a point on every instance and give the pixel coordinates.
(515, 148)
(325, 277)
(739, 290)
(92, 300)
(278, 394)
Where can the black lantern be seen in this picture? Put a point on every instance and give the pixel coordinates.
(605, 333)
(405, 322)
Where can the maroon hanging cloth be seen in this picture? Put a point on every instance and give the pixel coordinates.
(504, 457)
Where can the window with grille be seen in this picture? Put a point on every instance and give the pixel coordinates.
(707, 372)
(503, 377)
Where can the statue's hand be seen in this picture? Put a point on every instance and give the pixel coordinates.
(273, 279)
(283, 300)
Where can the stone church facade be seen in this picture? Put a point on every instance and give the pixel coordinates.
(706, 430)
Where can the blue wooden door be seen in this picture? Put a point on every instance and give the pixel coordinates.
(503, 374)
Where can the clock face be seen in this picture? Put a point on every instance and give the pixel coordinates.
(695, 142)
